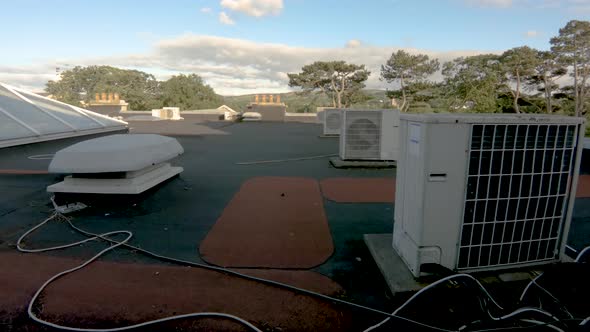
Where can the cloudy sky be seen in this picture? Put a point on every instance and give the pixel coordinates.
(248, 46)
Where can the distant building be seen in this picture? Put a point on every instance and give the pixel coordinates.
(107, 104)
(269, 107)
(222, 112)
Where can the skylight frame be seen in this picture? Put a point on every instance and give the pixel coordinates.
(37, 136)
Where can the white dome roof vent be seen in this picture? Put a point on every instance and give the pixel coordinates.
(116, 164)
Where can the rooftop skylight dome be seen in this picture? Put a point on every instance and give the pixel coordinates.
(27, 118)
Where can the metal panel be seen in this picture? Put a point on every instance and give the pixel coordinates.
(332, 121)
(363, 135)
(518, 187)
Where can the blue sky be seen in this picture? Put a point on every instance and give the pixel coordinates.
(269, 37)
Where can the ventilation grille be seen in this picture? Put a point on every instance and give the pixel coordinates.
(517, 190)
(363, 135)
(333, 120)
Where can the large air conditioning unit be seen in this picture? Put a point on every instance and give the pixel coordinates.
(369, 135)
(485, 192)
(332, 121)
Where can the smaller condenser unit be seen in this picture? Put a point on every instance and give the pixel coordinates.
(171, 113)
(167, 113)
(485, 192)
(332, 121)
(369, 135)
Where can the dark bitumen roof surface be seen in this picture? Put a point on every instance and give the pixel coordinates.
(173, 219)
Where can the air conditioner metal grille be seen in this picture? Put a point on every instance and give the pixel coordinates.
(363, 135)
(517, 193)
(333, 120)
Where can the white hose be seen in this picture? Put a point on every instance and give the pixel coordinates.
(542, 323)
(34, 317)
(124, 243)
(48, 156)
(582, 253)
(425, 289)
(284, 160)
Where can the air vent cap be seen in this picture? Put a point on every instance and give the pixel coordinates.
(115, 153)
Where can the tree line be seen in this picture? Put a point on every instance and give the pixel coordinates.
(141, 90)
(521, 79)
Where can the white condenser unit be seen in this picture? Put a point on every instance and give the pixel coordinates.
(332, 121)
(485, 192)
(369, 135)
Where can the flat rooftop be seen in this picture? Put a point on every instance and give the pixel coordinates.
(222, 169)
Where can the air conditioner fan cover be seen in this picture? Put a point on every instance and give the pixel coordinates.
(362, 134)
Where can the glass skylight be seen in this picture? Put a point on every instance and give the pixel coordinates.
(26, 118)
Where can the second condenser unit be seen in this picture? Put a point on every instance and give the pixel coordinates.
(369, 135)
(477, 192)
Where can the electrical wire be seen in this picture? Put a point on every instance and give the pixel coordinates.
(124, 243)
(542, 323)
(284, 160)
(511, 328)
(429, 287)
(535, 282)
(582, 253)
(129, 235)
(47, 156)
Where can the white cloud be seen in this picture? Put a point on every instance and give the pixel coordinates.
(256, 8)
(231, 66)
(491, 3)
(573, 6)
(531, 34)
(353, 43)
(225, 19)
(206, 10)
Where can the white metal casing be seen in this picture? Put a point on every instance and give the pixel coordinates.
(332, 121)
(445, 215)
(116, 164)
(167, 113)
(369, 135)
(172, 113)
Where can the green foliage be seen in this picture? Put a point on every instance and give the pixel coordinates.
(408, 70)
(308, 102)
(188, 92)
(572, 47)
(518, 64)
(547, 71)
(420, 107)
(340, 81)
(473, 83)
(139, 89)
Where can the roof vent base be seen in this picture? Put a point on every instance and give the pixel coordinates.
(134, 182)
